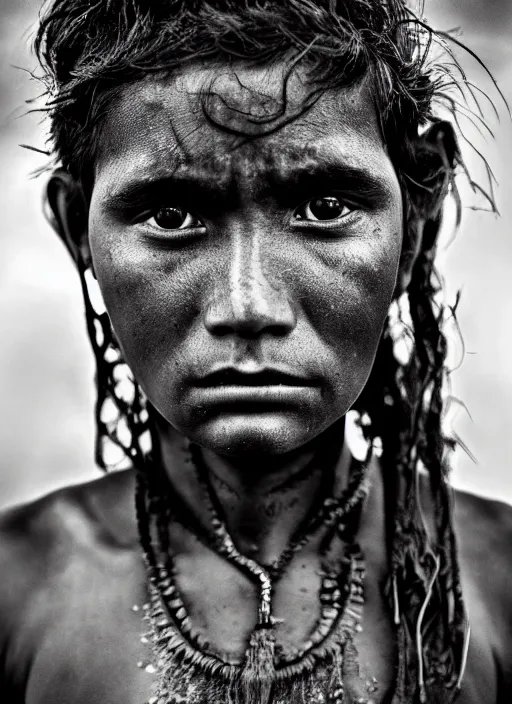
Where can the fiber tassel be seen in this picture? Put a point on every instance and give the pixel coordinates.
(258, 676)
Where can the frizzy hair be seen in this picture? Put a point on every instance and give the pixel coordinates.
(90, 49)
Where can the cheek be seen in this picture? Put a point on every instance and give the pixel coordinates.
(353, 290)
(358, 316)
(149, 296)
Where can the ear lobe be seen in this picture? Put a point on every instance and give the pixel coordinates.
(66, 211)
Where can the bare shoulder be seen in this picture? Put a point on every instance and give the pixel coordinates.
(484, 537)
(484, 533)
(38, 540)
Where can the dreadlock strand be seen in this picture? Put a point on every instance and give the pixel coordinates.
(133, 411)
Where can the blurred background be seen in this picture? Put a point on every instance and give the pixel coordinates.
(46, 371)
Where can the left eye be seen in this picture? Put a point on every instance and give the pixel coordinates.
(323, 209)
(174, 217)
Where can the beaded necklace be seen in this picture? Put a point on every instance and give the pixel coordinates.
(324, 669)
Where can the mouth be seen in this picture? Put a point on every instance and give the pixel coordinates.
(266, 387)
(266, 377)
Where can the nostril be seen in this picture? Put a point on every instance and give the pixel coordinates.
(278, 330)
(221, 330)
(249, 310)
(249, 329)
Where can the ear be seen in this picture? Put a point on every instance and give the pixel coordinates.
(426, 181)
(66, 211)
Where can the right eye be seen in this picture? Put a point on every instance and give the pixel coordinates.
(323, 209)
(174, 217)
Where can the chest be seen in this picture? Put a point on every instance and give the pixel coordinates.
(83, 642)
(110, 673)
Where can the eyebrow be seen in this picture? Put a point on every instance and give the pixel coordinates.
(185, 186)
(301, 177)
(325, 172)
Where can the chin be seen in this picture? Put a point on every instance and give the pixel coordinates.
(250, 435)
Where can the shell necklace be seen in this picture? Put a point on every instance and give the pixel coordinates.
(323, 670)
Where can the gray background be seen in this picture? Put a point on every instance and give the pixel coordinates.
(46, 390)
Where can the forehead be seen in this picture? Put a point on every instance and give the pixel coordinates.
(234, 120)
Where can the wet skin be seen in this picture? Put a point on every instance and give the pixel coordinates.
(252, 280)
(71, 571)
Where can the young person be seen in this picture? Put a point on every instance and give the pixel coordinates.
(257, 189)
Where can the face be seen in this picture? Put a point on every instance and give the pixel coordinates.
(247, 280)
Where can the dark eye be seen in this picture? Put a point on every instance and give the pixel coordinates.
(322, 209)
(174, 217)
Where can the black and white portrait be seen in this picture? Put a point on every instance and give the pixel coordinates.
(255, 383)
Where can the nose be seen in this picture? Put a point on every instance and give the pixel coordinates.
(246, 302)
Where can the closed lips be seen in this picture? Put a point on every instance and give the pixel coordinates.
(232, 377)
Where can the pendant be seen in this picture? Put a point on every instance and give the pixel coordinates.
(324, 671)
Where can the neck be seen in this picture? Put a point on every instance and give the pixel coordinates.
(263, 501)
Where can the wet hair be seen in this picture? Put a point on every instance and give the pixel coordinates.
(90, 50)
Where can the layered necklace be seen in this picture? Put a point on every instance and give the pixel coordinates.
(323, 670)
